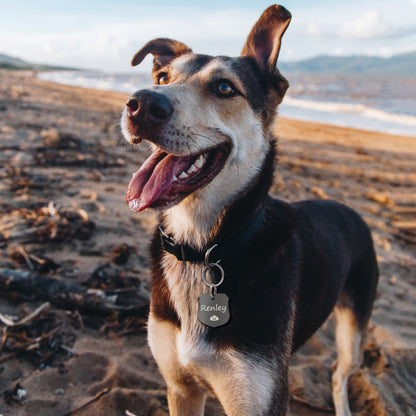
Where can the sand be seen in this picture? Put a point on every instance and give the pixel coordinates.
(64, 170)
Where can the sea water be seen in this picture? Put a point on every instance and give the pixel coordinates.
(370, 102)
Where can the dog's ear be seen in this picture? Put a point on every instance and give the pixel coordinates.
(263, 42)
(161, 48)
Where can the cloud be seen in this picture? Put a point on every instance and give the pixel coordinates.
(372, 25)
(315, 29)
(111, 44)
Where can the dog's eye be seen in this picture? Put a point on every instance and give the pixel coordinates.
(162, 78)
(224, 89)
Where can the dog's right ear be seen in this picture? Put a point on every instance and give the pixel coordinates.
(162, 49)
(263, 42)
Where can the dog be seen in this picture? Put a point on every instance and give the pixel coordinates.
(240, 279)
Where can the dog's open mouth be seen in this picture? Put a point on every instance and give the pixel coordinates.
(165, 179)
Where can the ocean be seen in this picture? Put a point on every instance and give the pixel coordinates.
(378, 103)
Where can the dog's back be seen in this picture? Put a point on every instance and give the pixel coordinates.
(337, 257)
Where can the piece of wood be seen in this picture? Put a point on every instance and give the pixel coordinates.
(66, 295)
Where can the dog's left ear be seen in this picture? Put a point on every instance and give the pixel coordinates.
(162, 49)
(263, 42)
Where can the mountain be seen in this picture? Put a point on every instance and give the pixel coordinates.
(403, 65)
(10, 62)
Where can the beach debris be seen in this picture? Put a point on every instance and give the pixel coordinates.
(40, 337)
(374, 357)
(405, 224)
(11, 323)
(52, 224)
(51, 137)
(121, 253)
(66, 295)
(411, 225)
(383, 198)
(17, 394)
(39, 263)
(21, 180)
(107, 276)
(316, 191)
(307, 404)
(64, 149)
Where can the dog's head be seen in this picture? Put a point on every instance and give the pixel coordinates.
(208, 118)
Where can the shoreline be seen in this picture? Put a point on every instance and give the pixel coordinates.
(348, 114)
(62, 155)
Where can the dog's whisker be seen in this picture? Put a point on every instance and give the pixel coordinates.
(210, 139)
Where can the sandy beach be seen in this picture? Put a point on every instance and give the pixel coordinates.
(64, 171)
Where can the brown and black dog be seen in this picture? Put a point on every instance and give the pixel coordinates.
(284, 266)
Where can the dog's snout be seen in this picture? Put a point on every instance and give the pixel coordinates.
(149, 109)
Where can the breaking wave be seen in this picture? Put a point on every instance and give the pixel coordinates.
(333, 107)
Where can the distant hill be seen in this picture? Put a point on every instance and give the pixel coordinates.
(10, 62)
(404, 65)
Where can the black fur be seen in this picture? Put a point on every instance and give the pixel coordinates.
(308, 251)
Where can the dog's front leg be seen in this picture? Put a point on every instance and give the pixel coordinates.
(185, 397)
(249, 384)
(185, 401)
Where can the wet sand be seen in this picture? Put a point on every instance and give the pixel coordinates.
(64, 171)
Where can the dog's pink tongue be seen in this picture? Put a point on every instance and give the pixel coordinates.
(153, 179)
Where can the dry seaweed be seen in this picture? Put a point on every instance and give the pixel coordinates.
(47, 224)
(40, 337)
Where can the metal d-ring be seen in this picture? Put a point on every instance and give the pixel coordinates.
(210, 267)
(207, 254)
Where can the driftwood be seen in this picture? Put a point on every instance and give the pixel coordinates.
(10, 323)
(66, 295)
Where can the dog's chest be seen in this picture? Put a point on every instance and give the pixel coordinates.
(185, 285)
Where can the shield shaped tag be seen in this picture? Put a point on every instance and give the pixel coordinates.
(213, 312)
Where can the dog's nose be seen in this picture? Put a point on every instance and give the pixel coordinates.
(132, 104)
(148, 108)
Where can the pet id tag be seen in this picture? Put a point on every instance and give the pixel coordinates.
(213, 311)
(213, 307)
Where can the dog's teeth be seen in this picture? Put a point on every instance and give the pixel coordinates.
(183, 175)
(200, 161)
(192, 169)
(174, 178)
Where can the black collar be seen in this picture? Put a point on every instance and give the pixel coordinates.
(222, 250)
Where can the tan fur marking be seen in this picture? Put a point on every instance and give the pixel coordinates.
(243, 386)
(185, 397)
(350, 342)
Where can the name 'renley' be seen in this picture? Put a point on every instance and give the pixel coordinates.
(216, 308)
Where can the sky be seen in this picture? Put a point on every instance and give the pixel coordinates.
(106, 34)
